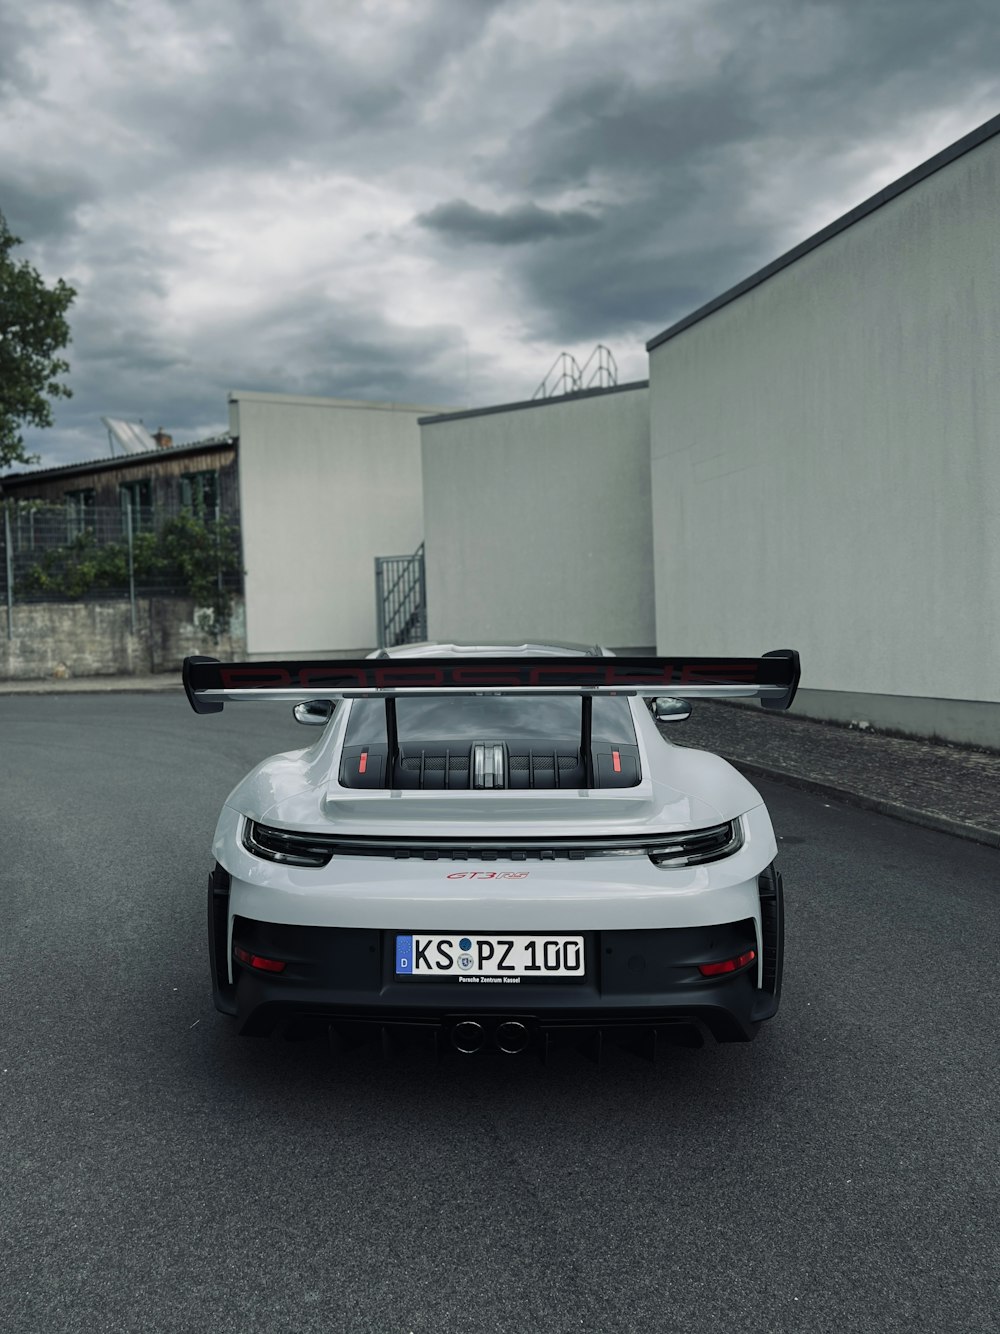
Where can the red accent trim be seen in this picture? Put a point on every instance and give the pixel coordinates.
(487, 673)
(617, 761)
(258, 961)
(363, 762)
(727, 965)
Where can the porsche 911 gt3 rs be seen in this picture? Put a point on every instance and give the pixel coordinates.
(496, 846)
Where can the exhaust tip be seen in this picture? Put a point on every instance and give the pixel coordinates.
(512, 1036)
(467, 1036)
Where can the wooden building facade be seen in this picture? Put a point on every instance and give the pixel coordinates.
(200, 477)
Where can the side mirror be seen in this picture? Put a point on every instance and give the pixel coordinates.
(671, 710)
(314, 712)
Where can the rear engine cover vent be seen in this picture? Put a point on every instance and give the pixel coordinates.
(546, 768)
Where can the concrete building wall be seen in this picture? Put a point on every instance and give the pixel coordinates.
(826, 464)
(537, 521)
(326, 485)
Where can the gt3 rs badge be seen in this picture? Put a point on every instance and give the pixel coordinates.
(488, 875)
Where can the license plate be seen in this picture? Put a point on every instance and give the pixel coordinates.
(494, 956)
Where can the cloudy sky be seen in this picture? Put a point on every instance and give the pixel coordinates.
(425, 201)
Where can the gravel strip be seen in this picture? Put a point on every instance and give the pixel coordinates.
(950, 785)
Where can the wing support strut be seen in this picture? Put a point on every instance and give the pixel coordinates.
(392, 739)
(586, 738)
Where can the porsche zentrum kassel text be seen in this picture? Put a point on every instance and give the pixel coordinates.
(496, 845)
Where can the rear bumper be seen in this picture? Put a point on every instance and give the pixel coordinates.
(636, 979)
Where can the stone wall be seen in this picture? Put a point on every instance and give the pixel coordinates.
(67, 639)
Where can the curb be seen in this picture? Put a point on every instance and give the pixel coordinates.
(939, 823)
(91, 690)
(114, 687)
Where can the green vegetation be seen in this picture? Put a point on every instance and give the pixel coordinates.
(32, 329)
(195, 558)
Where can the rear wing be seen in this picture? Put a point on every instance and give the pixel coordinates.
(773, 678)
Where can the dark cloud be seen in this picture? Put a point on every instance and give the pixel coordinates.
(40, 205)
(331, 350)
(627, 300)
(797, 89)
(648, 154)
(16, 75)
(612, 126)
(289, 85)
(459, 220)
(656, 261)
(884, 41)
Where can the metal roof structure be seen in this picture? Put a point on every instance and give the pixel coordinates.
(105, 464)
(130, 437)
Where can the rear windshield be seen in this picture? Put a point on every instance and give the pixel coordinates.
(490, 717)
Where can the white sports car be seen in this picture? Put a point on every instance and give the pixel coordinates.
(495, 846)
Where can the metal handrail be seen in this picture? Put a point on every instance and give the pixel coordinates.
(569, 371)
(404, 563)
(606, 367)
(572, 374)
(400, 599)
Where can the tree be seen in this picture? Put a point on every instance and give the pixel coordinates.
(33, 328)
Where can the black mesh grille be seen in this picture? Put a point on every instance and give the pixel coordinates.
(521, 764)
(532, 768)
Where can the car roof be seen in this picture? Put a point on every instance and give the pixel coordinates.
(529, 649)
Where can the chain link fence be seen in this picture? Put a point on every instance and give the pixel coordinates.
(59, 553)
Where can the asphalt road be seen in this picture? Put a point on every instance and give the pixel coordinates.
(841, 1173)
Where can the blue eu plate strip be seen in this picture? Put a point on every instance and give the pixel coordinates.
(404, 954)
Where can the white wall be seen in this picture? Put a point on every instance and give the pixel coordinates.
(326, 485)
(826, 459)
(537, 521)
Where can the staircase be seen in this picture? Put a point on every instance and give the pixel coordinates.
(400, 599)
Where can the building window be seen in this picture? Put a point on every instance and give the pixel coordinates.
(79, 511)
(140, 496)
(200, 493)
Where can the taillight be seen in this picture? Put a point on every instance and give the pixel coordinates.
(258, 961)
(697, 846)
(727, 965)
(282, 845)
